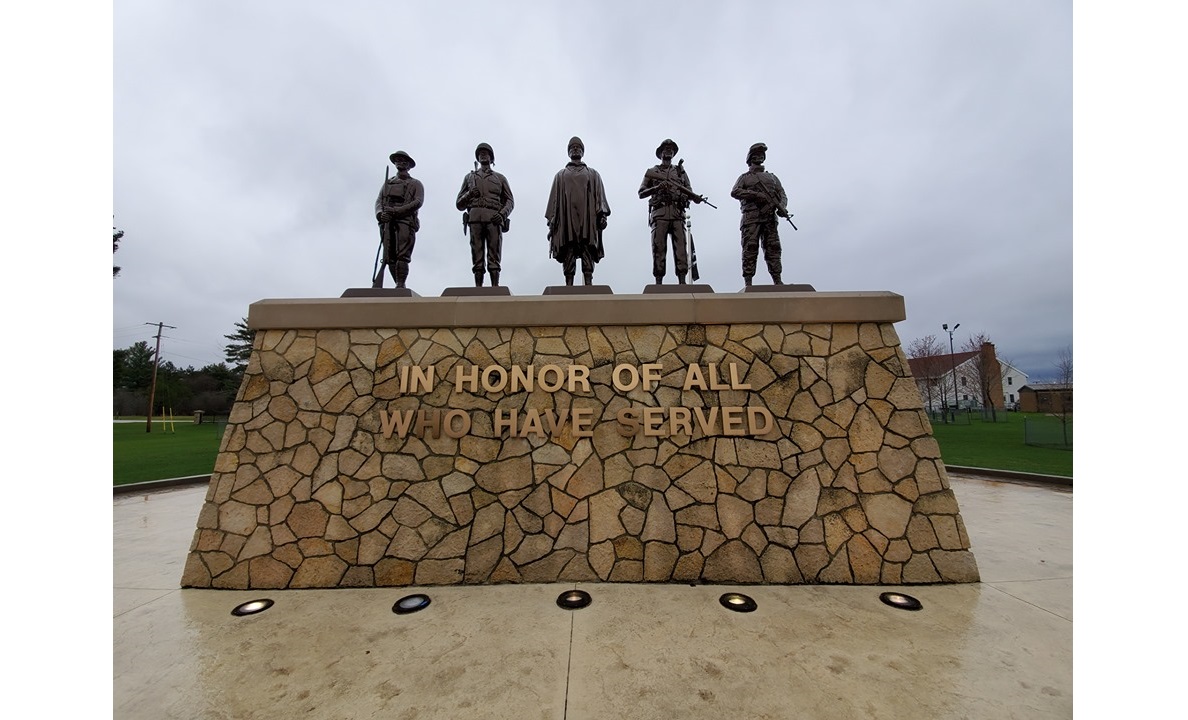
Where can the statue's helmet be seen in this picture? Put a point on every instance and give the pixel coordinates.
(670, 143)
(756, 148)
(575, 140)
(484, 146)
(400, 154)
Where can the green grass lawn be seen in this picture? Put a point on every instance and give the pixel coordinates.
(191, 449)
(187, 450)
(1000, 446)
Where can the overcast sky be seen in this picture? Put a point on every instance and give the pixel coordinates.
(925, 147)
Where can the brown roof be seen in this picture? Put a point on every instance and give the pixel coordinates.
(922, 367)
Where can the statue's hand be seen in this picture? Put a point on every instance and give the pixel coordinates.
(601, 222)
(387, 216)
(782, 212)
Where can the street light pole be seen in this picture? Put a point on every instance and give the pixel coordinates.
(953, 361)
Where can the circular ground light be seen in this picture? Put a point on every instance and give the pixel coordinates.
(901, 601)
(251, 607)
(411, 604)
(738, 602)
(574, 599)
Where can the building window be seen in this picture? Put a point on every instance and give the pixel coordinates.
(1010, 380)
(1012, 397)
(963, 380)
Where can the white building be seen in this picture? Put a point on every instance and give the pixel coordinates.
(947, 380)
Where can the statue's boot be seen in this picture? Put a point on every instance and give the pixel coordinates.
(775, 279)
(659, 279)
(494, 278)
(746, 281)
(587, 278)
(680, 279)
(401, 273)
(478, 279)
(569, 279)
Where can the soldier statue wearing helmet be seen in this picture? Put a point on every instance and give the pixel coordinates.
(487, 202)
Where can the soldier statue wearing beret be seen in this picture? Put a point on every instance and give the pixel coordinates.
(487, 201)
(396, 211)
(762, 199)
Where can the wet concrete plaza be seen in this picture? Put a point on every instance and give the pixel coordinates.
(1001, 648)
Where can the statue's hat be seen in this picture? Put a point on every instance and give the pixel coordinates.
(401, 154)
(484, 146)
(670, 142)
(575, 140)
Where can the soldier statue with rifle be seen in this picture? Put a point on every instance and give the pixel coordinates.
(396, 211)
(762, 199)
(666, 188)
(487, 202)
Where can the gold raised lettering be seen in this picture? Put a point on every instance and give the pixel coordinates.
(583, 421)
(398, 421)
(471, 378)
(732, 421)
(735, 383)
(447, 423)
(653, 422)
(694, 379)
(579, 375)
(754, 414)
(679, 421)
(628, 422)
(651, 374)
(633, 377)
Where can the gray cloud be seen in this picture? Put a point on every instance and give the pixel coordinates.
(926, 148)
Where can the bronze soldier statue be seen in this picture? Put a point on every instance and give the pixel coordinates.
(576, 214)
(666, 186)
(396, 211)
(762, 198)
(487, 201)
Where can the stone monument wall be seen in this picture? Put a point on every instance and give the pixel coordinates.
(426, 442)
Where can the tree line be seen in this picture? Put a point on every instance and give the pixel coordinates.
(181, 391)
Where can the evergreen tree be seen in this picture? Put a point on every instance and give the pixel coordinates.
(239, 350)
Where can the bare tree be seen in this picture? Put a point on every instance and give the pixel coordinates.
(985, 372)
(1064, 376)
(929, 356)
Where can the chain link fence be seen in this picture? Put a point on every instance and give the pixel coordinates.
(1053, 431)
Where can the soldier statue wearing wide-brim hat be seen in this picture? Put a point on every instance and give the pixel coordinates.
(667, 189)
(396, 209)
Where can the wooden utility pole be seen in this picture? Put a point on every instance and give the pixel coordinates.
(148, 426)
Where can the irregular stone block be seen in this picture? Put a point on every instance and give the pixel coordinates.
(733, 562)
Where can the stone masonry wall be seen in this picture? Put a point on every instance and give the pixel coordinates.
(847, 487)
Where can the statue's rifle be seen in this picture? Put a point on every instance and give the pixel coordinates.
(471, 183)
(688, 191)
(776, 202)
(377, 273)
